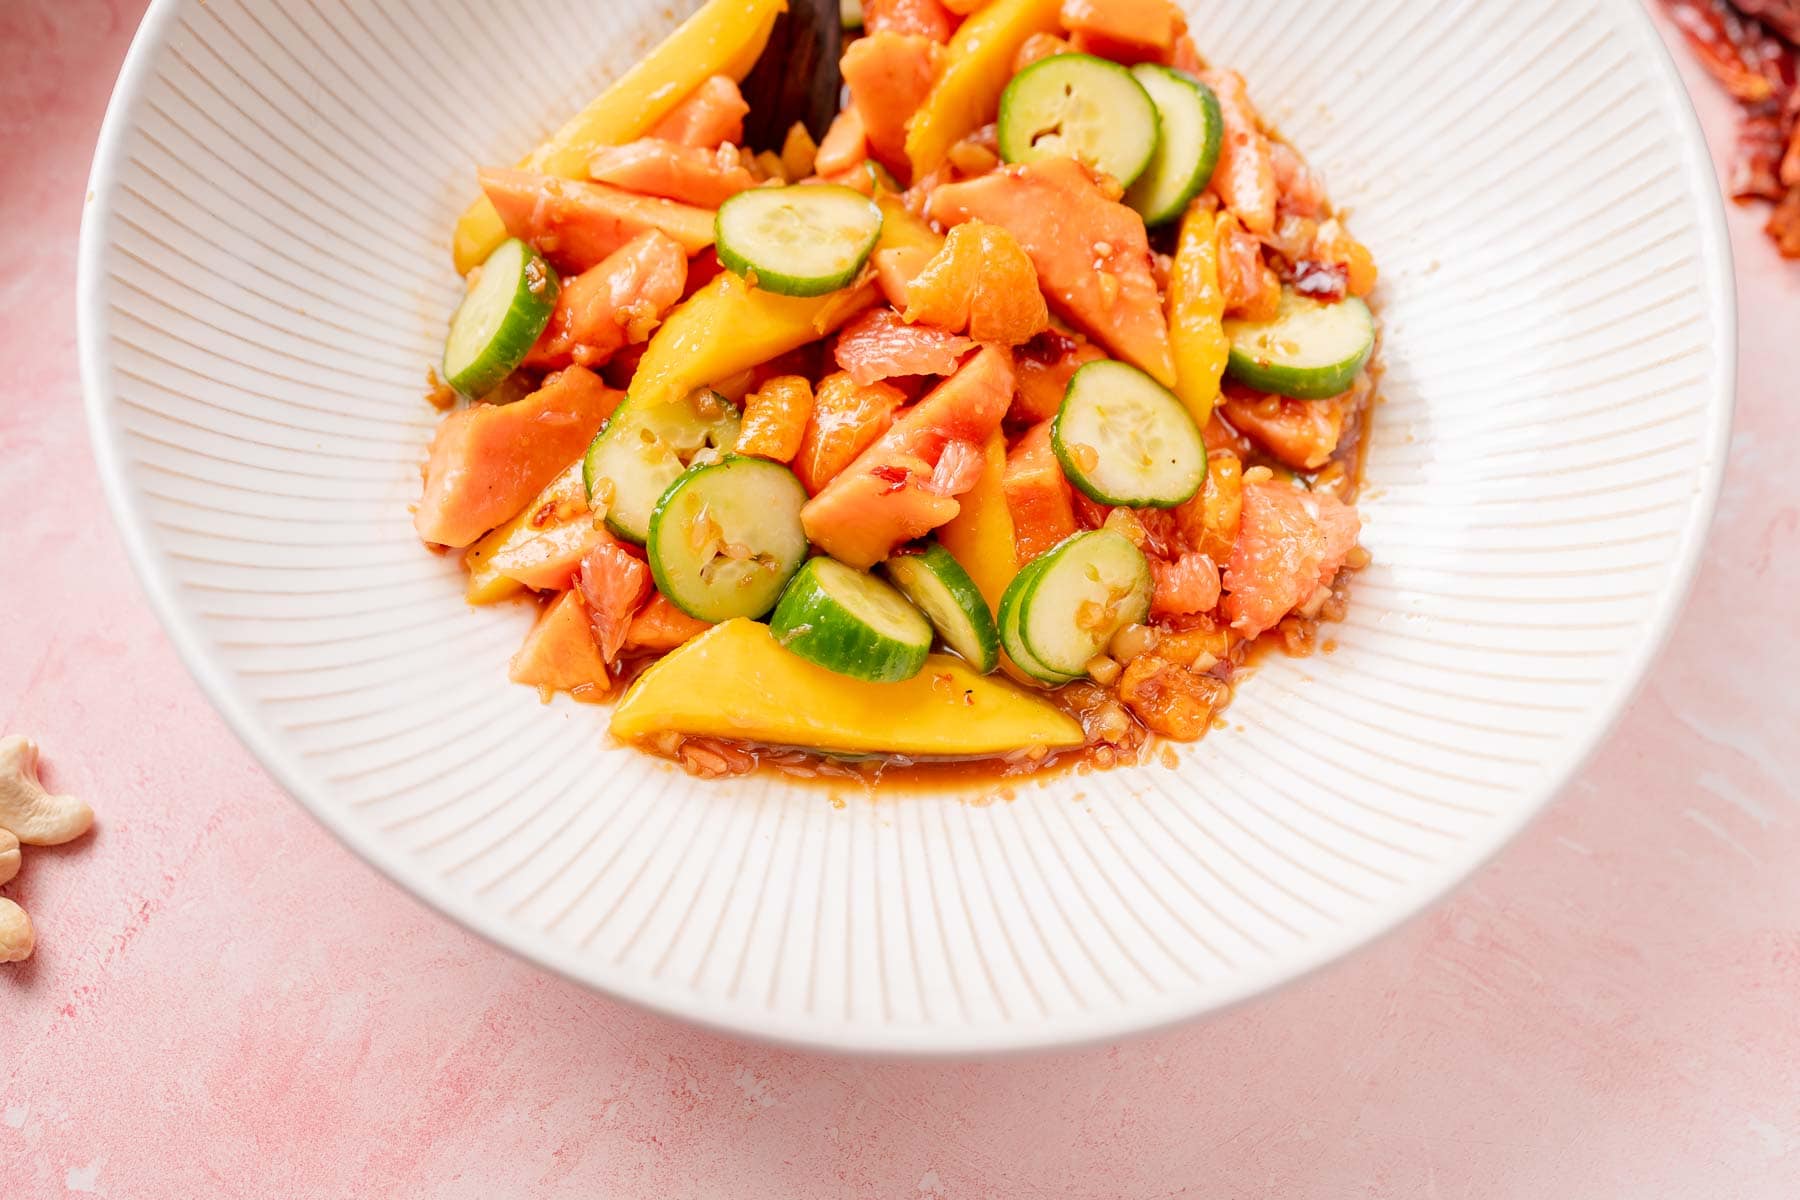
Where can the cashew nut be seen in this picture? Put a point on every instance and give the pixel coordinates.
(17, 940)
(35, 816)
(9, 856)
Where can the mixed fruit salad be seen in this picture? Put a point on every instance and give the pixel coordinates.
(1001, 422)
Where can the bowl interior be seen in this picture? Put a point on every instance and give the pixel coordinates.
(265, 280)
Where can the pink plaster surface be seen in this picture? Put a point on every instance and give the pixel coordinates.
(226, 1003)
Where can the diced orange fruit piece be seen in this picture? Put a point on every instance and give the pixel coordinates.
(892, 493)
(1091, 252)
(847, 417)
(775, 418)
(981, 282)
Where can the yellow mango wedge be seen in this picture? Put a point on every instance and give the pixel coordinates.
(977, 68)
(980, 535)
(1197, 315)
(727, 327)
(736, 681)
(724, 38)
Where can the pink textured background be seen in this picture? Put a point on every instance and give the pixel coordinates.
(227, 1003)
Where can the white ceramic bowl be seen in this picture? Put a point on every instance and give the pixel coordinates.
(264, 279)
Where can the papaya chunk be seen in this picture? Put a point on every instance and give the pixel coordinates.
(548, 562)
(613, 305)
(1038, 495)
(576, 225)
(711, 115)
(659, 627)
(889, 75)
(488, 461)
(1091, 252)
(693, 175)
(559, 654)
(893, 493)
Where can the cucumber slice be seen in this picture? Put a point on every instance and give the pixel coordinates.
(1125, 439)
(645, 448)
(1090, 587)
(935, 582)
(1082, 107)
(803, 240)
(851, 623)
(496, 324)
(725, 539)
(1011, 609)
(1310, 350)
(1188, 149)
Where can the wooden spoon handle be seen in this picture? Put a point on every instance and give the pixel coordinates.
(796, 79)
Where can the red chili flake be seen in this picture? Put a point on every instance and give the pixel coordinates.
(894, 477)
(1048, 347)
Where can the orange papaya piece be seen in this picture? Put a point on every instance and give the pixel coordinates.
(712, 115)
(705, 178)
(1091, 252)
(1037, 495)
(488, 461)
(576, 225)
(906, 484)
(660, 627)
(614, 304)
(559, 654)
(889, 75)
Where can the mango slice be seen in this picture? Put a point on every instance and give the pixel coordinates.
(736, 681)
(728, 327)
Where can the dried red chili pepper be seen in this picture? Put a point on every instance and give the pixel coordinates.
(1754, 63)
